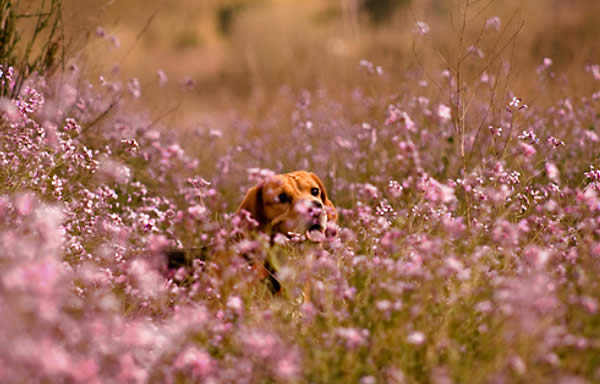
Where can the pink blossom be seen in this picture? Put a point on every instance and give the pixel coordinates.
(199, 362)
(416, 338)
(493, 22)
(352, 337)
(552, 171)
(162, 78)
(444, 113)
(198, 212)
(590, 304)
(437, 192)
(526, 149)
(24, 204)
(422, 28)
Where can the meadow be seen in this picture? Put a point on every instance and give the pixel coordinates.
(461, 153)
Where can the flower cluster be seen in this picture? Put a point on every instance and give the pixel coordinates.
(438, 260)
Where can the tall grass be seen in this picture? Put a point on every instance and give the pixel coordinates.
(31, 39)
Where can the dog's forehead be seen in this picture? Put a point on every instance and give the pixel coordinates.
(274, 184)
(301, 179)
(290, 182)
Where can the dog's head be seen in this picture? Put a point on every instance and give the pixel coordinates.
(294, 202)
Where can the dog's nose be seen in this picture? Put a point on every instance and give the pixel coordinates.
(317, 204)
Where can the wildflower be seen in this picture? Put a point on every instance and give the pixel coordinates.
(537, 256)
(555, 142)
(8, 110)
(396, 115)
(114, 170)
(484, 306)
(71, 125)
(493, 22)
(343, 143)
(287, 368)
(188, 83)
(422, 28)
(162, 78)
(115, 41)
(475, 50)
(437, 192)
(495, 131)
(383, 306)
(515, 102)
(352, 337)
(526, 149)
(131, 145)
(552, 171)
(134, 87)
(517, 364)
(235, 304)
(199, 362)
(416, 338)
(370, 67)
(394, 189)
(444, 113)
(590, 304)
(100, 32)
(198, 212)
(24, 204)
(259, 343)
(367, 380)
(595, 70)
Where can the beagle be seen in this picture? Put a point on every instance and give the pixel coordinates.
(294, 202)
(290, 203)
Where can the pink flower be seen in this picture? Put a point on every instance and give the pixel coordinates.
(287, 368)
(235, 304)
(199, 362)
(526, 149)
(422, 28)
(416, 338)
(24, 204)
(444, 113)
(552, 171)
(437, 192)
(537, 256)
(114, 170)
(352, 337)
(259, 343)
(130, 371)
(162, 78)
(134, 87)
(590, 304)
(493, 22)
(198, 212)
(396, 115)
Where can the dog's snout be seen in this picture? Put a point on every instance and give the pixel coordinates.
(315, 209)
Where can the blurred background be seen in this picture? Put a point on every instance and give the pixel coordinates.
(240, 54)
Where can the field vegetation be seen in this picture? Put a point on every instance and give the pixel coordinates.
(458, 141)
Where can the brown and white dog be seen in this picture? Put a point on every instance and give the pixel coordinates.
(289, 203)
(294, 202)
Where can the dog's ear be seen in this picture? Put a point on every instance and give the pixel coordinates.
(253, 203)
(331, 212)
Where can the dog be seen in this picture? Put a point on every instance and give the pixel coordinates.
(289, 203)
(294, 203)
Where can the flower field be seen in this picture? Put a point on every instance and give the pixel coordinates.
(467, 247)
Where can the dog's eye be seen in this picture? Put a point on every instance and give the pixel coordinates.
(314, 191)
(283, 198)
